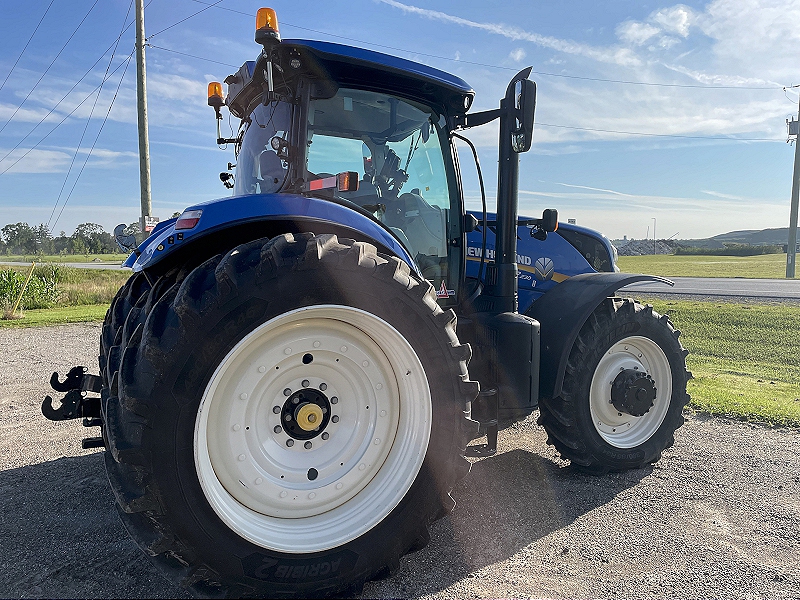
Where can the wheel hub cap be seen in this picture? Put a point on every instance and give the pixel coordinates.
(633, 392)
(305, 414)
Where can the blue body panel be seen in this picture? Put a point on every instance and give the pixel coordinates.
(385, 61)
(532, 282)
(235, 210)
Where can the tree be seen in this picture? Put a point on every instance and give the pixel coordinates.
(91, 238)
(19, 238)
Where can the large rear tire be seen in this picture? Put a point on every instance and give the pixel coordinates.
(289, 419)
(624, 390)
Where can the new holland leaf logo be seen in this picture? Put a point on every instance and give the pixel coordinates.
(543, 268)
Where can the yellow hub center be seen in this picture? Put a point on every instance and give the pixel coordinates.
(308, 416)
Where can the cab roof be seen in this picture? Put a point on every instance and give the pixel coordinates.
(348, 66)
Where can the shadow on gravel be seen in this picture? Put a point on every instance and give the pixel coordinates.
(60, 536)
(507, 502)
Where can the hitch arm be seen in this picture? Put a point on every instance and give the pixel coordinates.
(75, 404)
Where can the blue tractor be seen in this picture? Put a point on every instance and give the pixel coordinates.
(283, 394)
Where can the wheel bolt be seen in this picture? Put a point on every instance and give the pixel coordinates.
(323, 387)
(277, 429)
(334, 400)
(326, 435)
(335, 418)
(276, 409)
(290, 443)
(307, 445)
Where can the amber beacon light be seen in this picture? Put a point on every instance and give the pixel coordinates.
(215, 97)
(267, 26)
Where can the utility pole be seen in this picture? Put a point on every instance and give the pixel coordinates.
(791, 249)
(141, 102)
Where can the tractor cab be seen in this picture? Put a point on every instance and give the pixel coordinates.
(329, 121)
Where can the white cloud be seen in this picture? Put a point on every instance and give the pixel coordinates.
(635, 32)
(688, 216)
(613, 55)
(725, 196)
(36, 161)
(517, 54)
(676, 19)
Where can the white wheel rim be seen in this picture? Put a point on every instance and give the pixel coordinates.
(621, 429)
(263, 489)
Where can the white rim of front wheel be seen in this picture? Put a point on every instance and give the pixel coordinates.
(621, 429)
(308, 495)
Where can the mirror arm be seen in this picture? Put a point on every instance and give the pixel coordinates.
(475, 119)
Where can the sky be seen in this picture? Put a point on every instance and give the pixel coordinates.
(649, 114)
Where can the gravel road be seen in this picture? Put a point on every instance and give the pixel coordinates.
(718, 516)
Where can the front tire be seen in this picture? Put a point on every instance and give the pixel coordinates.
(289, 419)
(624, 390)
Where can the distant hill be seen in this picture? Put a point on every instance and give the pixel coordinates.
(755, 237)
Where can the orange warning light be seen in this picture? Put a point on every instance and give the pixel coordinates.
(215, 97)
(267, 26)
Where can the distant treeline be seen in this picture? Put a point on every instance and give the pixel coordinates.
(88, 238)
(729, 250)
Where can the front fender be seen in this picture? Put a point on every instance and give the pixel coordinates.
(562, 312)
(314, 214)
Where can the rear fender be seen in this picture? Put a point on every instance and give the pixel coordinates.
(246, 218)
(562, 312)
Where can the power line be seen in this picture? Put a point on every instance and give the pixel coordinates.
(64, 97)
(91, 114)
(86, 16)
(127, 58)
(152, 35)
(193, 56)
(26, 44)
(544, 73)
(667, 135)
(75, 183)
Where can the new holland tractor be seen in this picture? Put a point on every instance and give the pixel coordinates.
(283, 395)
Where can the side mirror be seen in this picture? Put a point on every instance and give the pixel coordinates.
(126, 242)
(549, 220)
(525, 104)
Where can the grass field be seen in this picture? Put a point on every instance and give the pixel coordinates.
(85, 313)
(766, 266)
(745, 358)
(65, 258)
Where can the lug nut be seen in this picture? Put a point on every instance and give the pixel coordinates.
(290, 443)
(307, 445)
(335, 418)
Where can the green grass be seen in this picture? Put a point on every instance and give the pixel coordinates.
(767, 266)
(64, 258)
(58, 316)
(745, 358)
